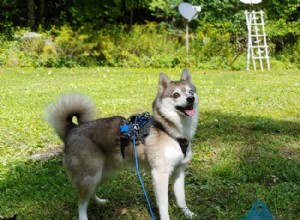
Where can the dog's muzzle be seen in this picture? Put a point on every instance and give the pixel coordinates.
(188, 110)
(190, 99)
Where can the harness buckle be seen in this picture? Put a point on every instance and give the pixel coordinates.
(136, 127)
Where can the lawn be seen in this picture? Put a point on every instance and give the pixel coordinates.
(247, 146)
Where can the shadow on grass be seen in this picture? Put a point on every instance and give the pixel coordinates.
(237, 161)
(259, 146)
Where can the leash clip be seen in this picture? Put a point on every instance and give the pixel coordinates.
(136, 127)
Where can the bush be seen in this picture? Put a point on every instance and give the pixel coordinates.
(150, 45)
(285, 40)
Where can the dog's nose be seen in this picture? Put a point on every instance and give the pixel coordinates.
(190, 99)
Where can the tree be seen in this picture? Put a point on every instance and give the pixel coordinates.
(30, 16)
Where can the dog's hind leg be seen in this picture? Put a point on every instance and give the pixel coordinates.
(99, 201)
(82, 209)
(86, 191)
(87, 180)
(179, 191)
(84, 196)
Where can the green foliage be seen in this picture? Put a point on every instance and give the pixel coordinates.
(144, 33)
(212, 46)
(286, 39)
(143, 46)
(207, 42)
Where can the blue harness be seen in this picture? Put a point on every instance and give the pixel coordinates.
(140, 124)
(137, 125)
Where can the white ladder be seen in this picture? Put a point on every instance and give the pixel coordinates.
(257, 42)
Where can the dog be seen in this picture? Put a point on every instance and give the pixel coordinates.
(14, 217)
(92, 147)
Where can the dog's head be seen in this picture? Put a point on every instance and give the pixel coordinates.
(177, 96)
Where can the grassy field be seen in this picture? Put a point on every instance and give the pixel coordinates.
(247, 146)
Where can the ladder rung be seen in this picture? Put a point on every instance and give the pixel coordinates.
(260, 46)
(256, 12)
(258, 35)
(260, 58)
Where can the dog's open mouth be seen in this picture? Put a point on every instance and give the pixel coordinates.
(188, 110)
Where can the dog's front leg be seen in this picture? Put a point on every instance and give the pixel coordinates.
(161, 182)
(179, 191)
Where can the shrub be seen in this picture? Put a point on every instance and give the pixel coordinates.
(151, 45)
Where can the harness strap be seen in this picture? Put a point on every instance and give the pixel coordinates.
(144, 123)
(184, 143)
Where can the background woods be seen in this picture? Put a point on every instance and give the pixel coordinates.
(104, 32)
(35, 13)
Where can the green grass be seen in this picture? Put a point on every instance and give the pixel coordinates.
(247, 146)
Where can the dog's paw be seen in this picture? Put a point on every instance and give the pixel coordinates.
(100, 201)
(188, 213)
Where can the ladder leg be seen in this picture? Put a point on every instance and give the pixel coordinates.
(265, 42)
(253, 18)
(249, 39)
(257, 37)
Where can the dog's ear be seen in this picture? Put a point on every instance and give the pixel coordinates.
(163, 82)
(186, 76)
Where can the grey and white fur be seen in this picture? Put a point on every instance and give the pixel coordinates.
(92, 148)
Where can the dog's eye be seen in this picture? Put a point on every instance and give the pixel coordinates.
(176, 95)
(191, 92)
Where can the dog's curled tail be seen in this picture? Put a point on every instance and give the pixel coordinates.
(60, 113)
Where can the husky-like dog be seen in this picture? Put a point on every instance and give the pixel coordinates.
(92, 148)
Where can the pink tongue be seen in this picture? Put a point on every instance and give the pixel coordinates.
(190, 112)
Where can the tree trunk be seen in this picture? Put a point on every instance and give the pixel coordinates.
(42, 13)
(123, 10)
(31, 18)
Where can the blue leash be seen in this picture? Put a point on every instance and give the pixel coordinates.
(138, 172)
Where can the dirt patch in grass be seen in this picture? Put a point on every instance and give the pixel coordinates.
(49, 154)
